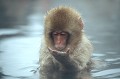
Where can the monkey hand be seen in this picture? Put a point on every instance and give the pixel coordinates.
(59, 55)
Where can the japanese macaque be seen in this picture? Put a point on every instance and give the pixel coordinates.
(65, 47)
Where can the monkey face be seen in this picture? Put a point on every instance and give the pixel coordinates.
(60, 39)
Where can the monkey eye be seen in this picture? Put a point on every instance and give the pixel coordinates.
(63, 33)
(59, 33)
(55, 33)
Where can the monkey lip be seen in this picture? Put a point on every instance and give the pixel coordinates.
(59, 47)
(65, 51)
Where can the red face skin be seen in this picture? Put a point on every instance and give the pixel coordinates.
(60, 39)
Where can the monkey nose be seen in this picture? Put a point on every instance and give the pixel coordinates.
(59, 42)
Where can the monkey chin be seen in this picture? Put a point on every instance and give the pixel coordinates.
(60, 47)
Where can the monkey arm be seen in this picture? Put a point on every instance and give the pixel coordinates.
(68, 63)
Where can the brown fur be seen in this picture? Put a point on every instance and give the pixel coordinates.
(65, 19)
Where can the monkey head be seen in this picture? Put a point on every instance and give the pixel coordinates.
(63, 27)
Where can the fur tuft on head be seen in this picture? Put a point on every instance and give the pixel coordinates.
(64, 19)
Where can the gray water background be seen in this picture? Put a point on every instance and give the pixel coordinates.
(21, 30)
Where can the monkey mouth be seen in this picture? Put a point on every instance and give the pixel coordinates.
(60, 45)
(65, 51)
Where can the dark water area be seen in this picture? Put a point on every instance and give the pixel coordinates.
(20, 44)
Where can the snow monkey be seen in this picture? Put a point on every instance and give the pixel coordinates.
(65, 47)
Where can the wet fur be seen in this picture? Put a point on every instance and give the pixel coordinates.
(69, 20)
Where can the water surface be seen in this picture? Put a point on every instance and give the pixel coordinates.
(19, 51)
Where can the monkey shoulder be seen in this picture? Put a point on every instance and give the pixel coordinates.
(86, 43)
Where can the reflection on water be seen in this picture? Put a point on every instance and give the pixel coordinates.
(67, 75)
(18, 56)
